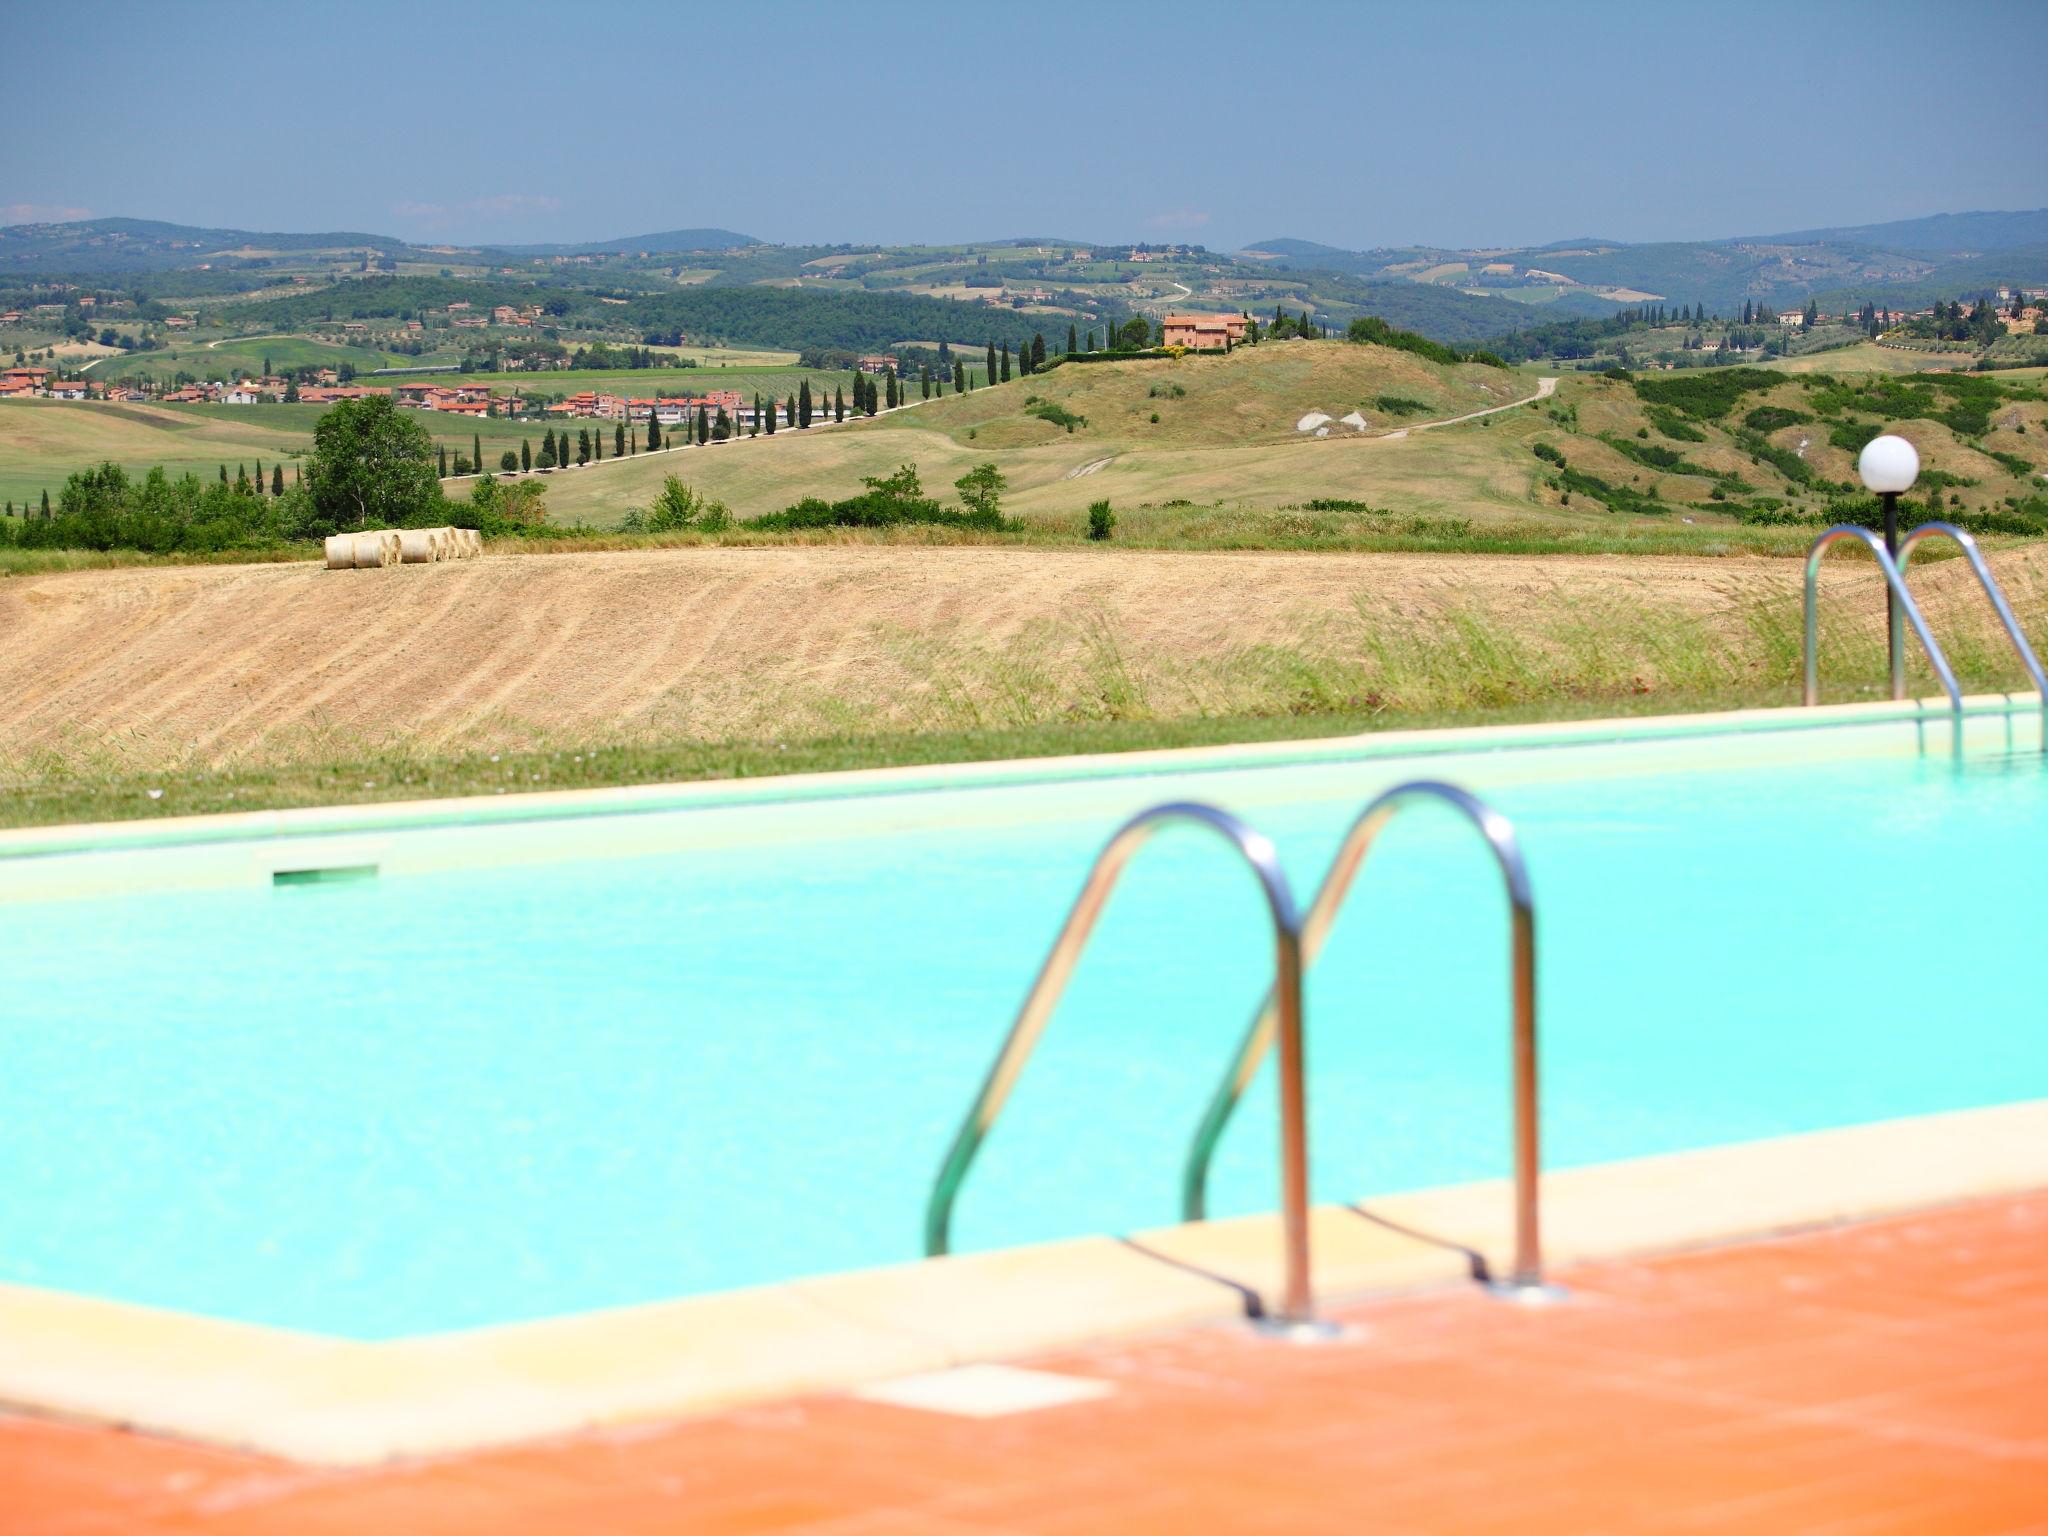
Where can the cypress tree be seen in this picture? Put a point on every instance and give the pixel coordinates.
(892, 389)
(258, 482)
(619, 441)
(526, 453)
(924, 384)
(653, 432)
(757, 416)
(46, 492)
(583, 445)
(441, 451)
(773, 411)
(1037, 353)
(224, 476)
(703, 427)
(803, 403)
(991, 373)
(789, 406)
(597, 444)
(1006, 362)
(839, 400)
(476, 451)
(1071, 340)
(959, 380)
(277, 480)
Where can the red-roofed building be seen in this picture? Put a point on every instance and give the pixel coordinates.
(1203, 332)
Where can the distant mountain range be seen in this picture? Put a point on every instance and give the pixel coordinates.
(1943, 255)
(1453, 295)
(667, 240)
(111, 247)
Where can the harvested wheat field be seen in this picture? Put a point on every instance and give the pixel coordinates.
(184, 667)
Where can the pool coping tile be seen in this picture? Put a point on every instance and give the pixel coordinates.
(336, 1402)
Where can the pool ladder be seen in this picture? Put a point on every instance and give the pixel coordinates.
(1297, 939)
(1894, 574)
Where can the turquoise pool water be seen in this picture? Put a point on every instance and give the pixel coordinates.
(479, 1095)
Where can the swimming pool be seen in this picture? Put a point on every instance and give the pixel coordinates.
(561, 1063)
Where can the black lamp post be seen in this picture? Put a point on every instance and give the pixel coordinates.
(1889, 465)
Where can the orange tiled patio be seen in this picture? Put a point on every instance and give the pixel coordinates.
(1887, 1376)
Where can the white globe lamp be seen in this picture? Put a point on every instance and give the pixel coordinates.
(1888, 465)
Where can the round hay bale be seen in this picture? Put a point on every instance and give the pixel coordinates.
(418, 546)
(341, 551)
(374, 550)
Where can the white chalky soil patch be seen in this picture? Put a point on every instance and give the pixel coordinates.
(984, 1391)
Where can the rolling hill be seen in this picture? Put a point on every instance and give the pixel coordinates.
(1906, 260)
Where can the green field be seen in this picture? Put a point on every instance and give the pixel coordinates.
(244, 357)
(43, 441)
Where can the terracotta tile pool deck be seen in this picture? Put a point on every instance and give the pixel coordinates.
(1886, 1376)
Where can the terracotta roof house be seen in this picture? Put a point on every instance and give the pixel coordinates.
(1203, 332)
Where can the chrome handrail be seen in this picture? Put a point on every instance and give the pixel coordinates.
(1992, 590)
(1897, 584)
(1527, 1276)
(1297, 1305)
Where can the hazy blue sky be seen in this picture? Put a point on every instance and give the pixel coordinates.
(896, 120)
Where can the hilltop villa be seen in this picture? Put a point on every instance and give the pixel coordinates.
(1204, 332)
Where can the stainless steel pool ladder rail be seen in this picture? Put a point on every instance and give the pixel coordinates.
(1992, 590)
(1526, 1277)
(1297, 1302)
(1897, 585)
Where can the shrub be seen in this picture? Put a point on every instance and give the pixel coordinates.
(1058, 415)
(1769, 418)
(887, 501)
(677, 507)
(1674, 426)
(1399, 405)
(1166, 391)
(1338, 504)
(1101, 521)
(1548, 454)
(508, 461)
(1372, 330)
(1705, 394)
(1648, 454)
(1851, 436)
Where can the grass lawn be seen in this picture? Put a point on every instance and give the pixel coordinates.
(73, 798)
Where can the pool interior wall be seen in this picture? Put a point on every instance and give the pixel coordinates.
(541, 1066)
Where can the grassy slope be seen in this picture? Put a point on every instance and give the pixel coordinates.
(1228, 442)
(1229, 436)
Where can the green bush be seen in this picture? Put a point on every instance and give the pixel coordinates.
(677, 507)
(1769, 418)
(1648, 454)
(1399, 405)
(1101, 521)
(1372, 330)
(1705, 394)
(1674, 426)
(1058, 415)
(888, 501)
(1548, 454)
(1851, 436)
